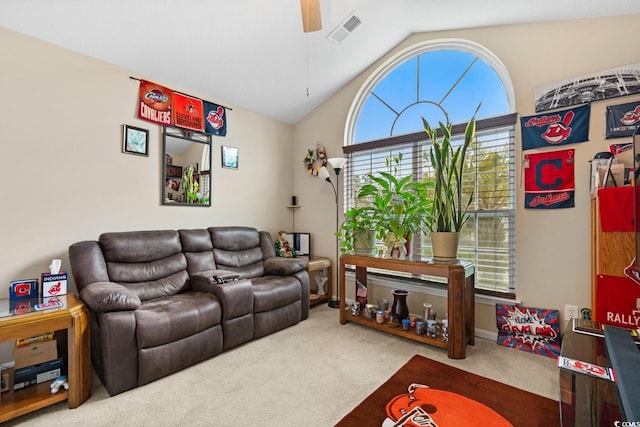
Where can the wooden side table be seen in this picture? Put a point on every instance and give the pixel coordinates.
(318, 264)
(72, 317)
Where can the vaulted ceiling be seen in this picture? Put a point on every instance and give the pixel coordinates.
(254, 54)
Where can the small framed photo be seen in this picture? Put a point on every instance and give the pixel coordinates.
(135, 141)
(229, 157)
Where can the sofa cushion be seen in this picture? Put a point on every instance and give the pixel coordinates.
(150, 263)
(271, 292)
(238, 249)
(139, 246)
(169, 319)
(162, 287)
(197, 248)
(234, 238)
(247, 263)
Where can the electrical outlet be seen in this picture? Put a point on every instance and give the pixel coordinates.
(571, 312)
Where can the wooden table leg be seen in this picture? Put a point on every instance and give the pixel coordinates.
(457, 321)
(79, 370)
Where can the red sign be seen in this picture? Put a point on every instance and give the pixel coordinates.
(188, 112)
(617, 301)
(155, 103)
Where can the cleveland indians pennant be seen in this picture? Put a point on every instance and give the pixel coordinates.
(557, 128)
(622, 119)
(549, 180)
(215, 119)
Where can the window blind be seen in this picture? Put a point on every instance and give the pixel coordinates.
(488, 238)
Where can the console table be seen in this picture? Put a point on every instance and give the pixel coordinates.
(73, 318)
(460, 298)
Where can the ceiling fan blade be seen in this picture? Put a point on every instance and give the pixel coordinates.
(311, 20)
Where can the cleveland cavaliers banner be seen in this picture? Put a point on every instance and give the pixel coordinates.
(188, 112)
(215, 119)
(622, 119)
(549, 180)
(154, 103)
(555, 129)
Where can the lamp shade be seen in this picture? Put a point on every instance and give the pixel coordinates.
(337, 162)
(323, 173)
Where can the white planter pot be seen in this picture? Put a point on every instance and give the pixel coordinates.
(445, 246)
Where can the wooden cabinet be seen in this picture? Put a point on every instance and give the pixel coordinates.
(460, 298)
(613, 246)
(72, 319)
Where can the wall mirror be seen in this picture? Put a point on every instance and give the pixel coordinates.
(186, 167)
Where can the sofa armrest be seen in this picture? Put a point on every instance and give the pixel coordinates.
(279, 266)
(103, 297)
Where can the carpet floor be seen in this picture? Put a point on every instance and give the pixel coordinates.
(312, 374)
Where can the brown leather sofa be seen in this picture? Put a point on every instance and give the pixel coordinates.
(156, 307)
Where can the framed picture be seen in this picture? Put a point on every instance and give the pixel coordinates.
(173, 171)
(135, 141)
(229, 157)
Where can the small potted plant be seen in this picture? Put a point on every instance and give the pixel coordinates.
(449, 211)
(399, 206)
(357, 233)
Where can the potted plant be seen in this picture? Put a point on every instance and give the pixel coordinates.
(449, 211)
(358, 232)
(399, 206)
(191, 186)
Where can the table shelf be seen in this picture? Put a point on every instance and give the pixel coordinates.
(72, 320)
(460, 298)
(384, 327)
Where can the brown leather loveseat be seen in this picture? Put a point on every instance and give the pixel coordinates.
(156, 306)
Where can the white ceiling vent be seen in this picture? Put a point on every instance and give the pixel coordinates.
(345, 28)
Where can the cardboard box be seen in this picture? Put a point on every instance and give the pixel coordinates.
(35, 354)
(36, 374)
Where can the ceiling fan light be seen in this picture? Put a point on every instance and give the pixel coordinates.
(311, 19)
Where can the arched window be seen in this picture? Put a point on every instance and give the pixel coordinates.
(445, 81)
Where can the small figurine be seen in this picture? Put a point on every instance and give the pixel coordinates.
(283, 248)
(59, 382)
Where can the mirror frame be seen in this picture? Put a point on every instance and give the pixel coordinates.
(187, 136)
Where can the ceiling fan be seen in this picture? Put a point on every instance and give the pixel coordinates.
(310, 15)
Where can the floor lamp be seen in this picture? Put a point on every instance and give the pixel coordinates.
(337, 164)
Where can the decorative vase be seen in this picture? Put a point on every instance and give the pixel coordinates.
(400, 309)
(321, 282)
(445, 246)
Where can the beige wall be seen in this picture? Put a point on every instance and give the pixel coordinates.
(66, 178)
(553, 246)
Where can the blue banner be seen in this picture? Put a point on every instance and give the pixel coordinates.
(215, 119)
(555, 129)
(622, 119)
